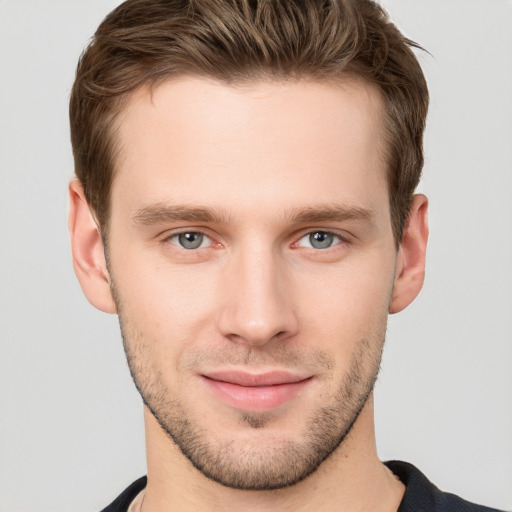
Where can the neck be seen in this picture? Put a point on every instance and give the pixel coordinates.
(352, 478)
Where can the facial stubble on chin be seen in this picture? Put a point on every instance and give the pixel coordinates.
(239, 465)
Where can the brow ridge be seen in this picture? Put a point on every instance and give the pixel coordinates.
(331, 213)
(161, 213)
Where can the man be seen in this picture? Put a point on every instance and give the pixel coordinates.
(245, 203)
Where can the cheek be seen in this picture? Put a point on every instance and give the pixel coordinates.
(346, 305)
(177, 305)
(168, 304)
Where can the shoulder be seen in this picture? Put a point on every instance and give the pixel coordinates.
(421, 495)
(122, 502)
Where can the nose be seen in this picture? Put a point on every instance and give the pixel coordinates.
(257, 304)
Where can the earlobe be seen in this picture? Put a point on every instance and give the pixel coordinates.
(88, 251)
(410, 266)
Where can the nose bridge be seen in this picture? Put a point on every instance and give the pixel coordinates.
(258, 304)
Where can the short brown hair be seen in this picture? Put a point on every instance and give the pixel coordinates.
(148, 41)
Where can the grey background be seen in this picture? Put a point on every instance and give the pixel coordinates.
(71, 431)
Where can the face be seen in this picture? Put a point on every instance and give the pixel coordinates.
(252, 262)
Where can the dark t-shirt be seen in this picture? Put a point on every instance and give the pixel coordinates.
(420, 494)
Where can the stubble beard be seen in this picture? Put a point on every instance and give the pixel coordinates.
(283, 462)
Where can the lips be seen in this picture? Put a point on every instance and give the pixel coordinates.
(255, 392)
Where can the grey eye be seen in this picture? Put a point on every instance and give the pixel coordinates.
(192, 240)
(321, 239)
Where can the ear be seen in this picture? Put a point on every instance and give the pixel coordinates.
(410, 264)
(88, 251)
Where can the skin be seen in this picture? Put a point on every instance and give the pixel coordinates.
(256, 170)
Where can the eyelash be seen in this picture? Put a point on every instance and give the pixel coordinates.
(335, 236)
(169, 238)
(331, 237)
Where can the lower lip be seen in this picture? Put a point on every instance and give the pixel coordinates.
(255, 398)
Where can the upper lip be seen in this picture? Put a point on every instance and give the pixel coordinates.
(244, 378)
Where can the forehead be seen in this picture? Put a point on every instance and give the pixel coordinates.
(197, 138)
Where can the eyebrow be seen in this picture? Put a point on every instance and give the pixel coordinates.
(330, 213)
(161, 213)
